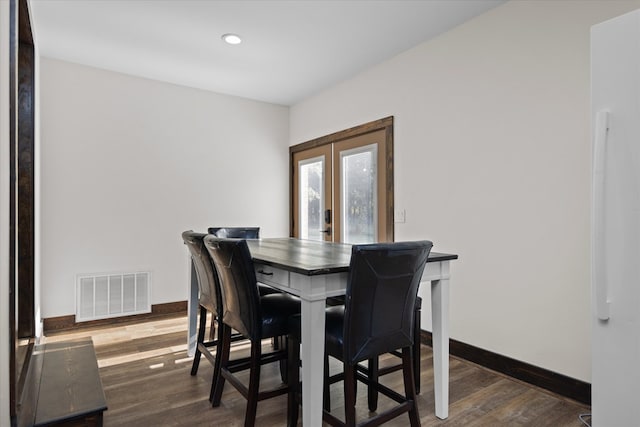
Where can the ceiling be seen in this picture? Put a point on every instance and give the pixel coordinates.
(290, 50)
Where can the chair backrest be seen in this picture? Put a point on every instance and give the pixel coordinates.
(381, 295)
(207, 276)
(235, 232)
(240, 298)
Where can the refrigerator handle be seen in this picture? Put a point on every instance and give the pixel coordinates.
(598, 261)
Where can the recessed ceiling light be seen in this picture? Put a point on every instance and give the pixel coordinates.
(232, 38)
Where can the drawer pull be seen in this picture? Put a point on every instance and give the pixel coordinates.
(266, 273)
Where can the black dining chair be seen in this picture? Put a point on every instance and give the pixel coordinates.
(235, 232)
(373, 369)
(378, 317)
(247, 233)
(242, 233)
(210, 301)
(254, 316)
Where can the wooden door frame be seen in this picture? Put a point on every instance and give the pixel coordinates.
(385, 124)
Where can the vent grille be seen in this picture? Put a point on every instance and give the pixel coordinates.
(102, 296)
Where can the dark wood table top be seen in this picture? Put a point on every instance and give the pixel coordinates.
(311, 257)
(70, 385)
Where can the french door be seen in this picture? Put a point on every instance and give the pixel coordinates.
(342, 185)
(312, 196)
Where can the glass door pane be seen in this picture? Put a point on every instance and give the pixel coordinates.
(359, 183)
(312, 195)
(360, 189)
(312, 198)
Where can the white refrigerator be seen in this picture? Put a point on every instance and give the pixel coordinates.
(615, 257)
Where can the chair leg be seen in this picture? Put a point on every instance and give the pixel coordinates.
(409, 386)
(283, 363)
(217, 365)
(416, 348)
(293, 376)
(372, 373)
(225, 336)
(200, 339)
(254, 385)
(350, 395)
(212, 329)
(326, 386)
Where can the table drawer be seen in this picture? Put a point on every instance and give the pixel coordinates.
(272, 276)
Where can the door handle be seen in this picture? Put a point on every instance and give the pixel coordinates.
(327, 231)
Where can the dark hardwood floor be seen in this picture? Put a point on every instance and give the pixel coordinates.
(145, 373)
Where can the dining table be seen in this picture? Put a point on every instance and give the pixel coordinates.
(316, 270)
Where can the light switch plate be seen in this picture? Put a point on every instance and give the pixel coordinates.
(399, 216)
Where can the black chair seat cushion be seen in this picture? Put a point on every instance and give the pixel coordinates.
(266, 289)
(334, 325)
(276, 309)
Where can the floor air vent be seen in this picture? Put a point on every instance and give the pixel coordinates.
(112, 295)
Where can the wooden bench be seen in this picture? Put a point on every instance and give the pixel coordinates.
(71, 391)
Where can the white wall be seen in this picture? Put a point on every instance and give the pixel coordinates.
(129, 163)
(492, 162)
(5, 341)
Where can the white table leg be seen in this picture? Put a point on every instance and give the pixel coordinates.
(440, 324)
(312, 355)
(192, 313)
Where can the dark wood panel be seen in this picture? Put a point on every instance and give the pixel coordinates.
(344, 134)
(26, 188)
(21, 206)
(15, 366)
(389, 179)
(172, 308)
(30, 390)
(24, 29)
(310, 257)
(68, 323)
(540, 377)
(70, 388)
(58, 323)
